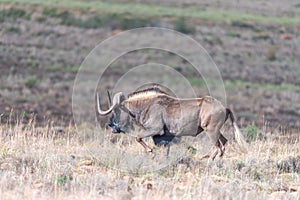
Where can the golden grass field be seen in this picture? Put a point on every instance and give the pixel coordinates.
(65, 163)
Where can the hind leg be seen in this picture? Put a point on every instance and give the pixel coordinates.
(219, 141)
(145, 134)
(214, 138)
(218, 148)
(221, 144)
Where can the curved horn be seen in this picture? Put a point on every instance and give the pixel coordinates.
(116, 101)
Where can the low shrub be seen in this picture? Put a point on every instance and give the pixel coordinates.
(30, 81)
(181, 25)
(271, 53)
(130, 23)
(13, 13)
(253, 133)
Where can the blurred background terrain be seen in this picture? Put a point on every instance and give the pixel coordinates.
(256, 46)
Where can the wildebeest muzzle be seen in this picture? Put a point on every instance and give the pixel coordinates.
(114, 125)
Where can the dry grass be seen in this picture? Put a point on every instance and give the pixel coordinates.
(64, 163)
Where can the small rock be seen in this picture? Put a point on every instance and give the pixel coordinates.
(38, 185)
(4, 166)
(219, 178)
(149, 186)
(294, 188)
(85, 162)
(286, 36)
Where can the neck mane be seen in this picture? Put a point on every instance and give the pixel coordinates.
(139, 100)
(146, 93)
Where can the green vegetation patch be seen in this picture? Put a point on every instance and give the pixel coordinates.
(115, 21)
(53, 12)
(30, 81)
(12, 29)
(181, 25)
(233, 34)
(13, 13)
(162, 11)
(132, 22)
(62, 179)
(253, 133)
(238, 84)
(121, 21)
(62, 68)
(233, 84)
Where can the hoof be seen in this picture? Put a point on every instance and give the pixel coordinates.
(149, 151)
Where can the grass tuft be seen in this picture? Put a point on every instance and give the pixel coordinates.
(253, 133)
(30, 81)
(289, 165)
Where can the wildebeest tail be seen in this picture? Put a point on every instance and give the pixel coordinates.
(238, 136)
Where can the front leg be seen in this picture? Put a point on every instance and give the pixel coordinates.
(146, 134)
(146, 147)
(151, 119)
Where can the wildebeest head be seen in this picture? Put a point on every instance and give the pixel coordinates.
(119, 121)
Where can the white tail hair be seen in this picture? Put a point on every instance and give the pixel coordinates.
(238, 136)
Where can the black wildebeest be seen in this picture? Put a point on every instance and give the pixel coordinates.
(162, 115)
